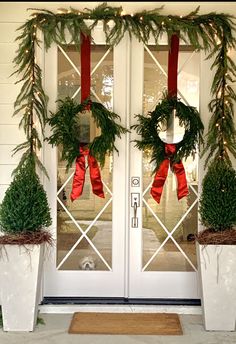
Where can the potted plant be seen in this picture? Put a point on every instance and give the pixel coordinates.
(216, 246)
(24, 216)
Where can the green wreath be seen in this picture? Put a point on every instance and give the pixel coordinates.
(149, 128)
(65, 125)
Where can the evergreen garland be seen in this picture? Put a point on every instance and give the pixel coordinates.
(201, 31)
(221, 136)
(149, 128)
(65, 125)
(31, 101)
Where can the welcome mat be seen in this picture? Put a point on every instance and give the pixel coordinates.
(126, 323)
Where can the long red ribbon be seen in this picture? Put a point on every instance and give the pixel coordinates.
(80, 170)
(161, 175)
(79, 176)
(170, 149)
(85, 53)
(173, 65)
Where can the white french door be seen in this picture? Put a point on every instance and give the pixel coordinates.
(99, 251)
(162, 253)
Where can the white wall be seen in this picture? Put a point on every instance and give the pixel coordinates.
(11, 16)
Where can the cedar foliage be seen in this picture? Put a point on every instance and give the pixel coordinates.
(218, 198)
(65, 125)
(149, 128)
(25, 207)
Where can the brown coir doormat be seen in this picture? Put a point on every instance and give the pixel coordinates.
(126, 323)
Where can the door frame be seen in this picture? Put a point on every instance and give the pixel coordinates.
(128, 74)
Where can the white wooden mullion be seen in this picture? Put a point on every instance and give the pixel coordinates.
(147, 188)
(156, 61)
(107, 188)
(164, 72)
(169, 235)
(156, 217)
(70, 216)
(183, 217)
(85, 236)
(94, 69)
(66, 182)
(69, 60)
(183, 253)
(76, 92)
(96, 96)
(101, 60)
(186, 61)
(194, 191)
(154, 255)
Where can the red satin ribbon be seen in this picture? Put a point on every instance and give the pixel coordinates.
(80, 170)
(79, 176)
(161, 175)
(173, 65)
(85, 60)
(170, 149)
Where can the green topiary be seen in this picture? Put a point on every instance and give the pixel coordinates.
(218, 199)
(25, 207)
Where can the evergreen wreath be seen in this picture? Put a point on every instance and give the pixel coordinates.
(66, 126)
(149, 128)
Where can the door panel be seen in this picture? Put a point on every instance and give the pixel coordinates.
(84, 227)
(162, 250)
(90, 232)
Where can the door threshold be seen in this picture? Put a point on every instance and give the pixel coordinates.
(118, 301)
(62, 305)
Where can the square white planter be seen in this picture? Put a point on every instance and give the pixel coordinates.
(20, 272)
(217, 275)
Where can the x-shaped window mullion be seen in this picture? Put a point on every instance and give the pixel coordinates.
(164, 72)
(169, 234)
(78, 72)
(93, 71)
(84, 234)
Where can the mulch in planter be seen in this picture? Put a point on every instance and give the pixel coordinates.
(210, 237)
(27, 238)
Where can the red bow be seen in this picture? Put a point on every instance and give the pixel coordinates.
(161, 175)
(79, 176)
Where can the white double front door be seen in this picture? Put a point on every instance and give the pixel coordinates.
(105, 247)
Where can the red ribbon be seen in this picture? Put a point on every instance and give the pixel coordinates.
(170, 149)
(173, 65)
(79, 176)
(161, 175)
(80, 170)
(85, 53)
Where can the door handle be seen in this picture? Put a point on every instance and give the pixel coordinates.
(135, 208)
(135, 203)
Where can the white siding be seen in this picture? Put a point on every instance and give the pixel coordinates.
(10, 135)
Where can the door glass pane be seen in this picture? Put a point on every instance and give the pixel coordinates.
(84, 227)
(169, 227)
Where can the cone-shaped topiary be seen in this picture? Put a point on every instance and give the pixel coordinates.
(25, 207)
(218, 198)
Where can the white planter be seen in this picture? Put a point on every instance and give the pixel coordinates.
(217, 274)
(20, 272)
